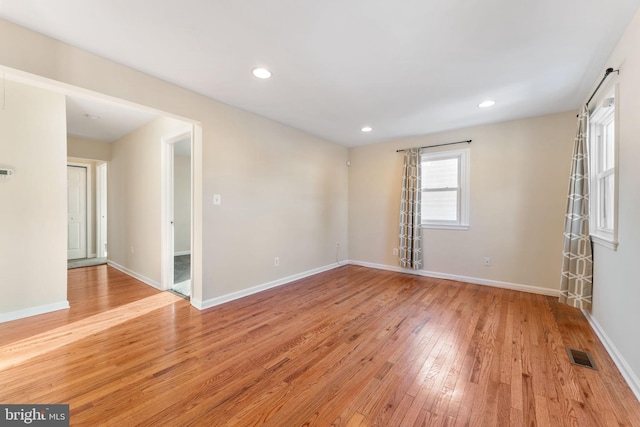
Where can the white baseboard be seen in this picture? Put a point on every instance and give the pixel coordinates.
(466, 279)
(624, 368)
(201, 305)
(33, 311)
(135, 275)
(180, 253)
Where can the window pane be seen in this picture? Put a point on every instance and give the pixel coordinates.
(609, 137)
(440, 205)
(598, 146)
(440, 173)
(602, 145)
(606, 203)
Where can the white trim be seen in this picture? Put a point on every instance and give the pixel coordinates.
(180, 253)
(607, 243)
(197, 211)
(466, 279)
(446, 226)
(202, 305)
(597, 115)
(33, 311)
(135, 275)
(627, 373)
(102, 176)
(167, 214)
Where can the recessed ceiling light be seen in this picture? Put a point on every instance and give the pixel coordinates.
(366, 129)
(487, 103)
(92, 117)
(261, 73)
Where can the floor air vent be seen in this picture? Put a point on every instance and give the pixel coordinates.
(581, 358)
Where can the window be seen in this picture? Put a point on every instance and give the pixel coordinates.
(445, 189)
(602, 149)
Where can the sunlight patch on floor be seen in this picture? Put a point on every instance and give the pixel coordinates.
(20, 351)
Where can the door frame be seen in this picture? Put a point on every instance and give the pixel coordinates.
(101, 206)
(89, 197)
(167, 215)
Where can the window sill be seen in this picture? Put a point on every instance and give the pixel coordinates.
(604, 241)
(446, 226)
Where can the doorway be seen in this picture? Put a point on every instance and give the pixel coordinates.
(86, 212)
(177, 194)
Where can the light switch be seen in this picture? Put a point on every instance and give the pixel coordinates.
(217, 199)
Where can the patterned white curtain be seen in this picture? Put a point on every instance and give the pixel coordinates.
(410, 233)
(577, 259)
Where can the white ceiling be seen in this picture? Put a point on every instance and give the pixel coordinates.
(101, 121)
(403, 67)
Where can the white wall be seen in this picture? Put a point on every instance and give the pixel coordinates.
(33, 275)
(134, 194)
(519, 180)
(616, 289)
(284, 193)
(182, 203)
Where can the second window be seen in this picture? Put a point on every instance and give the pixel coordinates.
(445, 187)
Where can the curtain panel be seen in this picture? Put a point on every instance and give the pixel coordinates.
(577, 259)
(410, 233)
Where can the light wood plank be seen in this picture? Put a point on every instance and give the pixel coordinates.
(352, 346)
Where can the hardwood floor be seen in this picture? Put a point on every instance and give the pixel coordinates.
(349, 347)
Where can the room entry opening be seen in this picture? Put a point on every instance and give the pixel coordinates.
(177, 215)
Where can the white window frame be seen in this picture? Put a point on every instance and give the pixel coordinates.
(599, 116)
(462, 222)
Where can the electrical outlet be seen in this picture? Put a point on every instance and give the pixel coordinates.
(487, 261)
(276, 262)
(395, 251)
(217, 199)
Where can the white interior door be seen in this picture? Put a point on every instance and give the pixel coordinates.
(76, 212)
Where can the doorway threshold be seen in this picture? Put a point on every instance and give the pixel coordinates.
(85, 262)
(182, 289)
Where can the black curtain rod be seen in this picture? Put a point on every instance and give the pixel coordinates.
(606, 74)
(468, 141)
